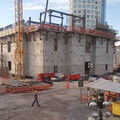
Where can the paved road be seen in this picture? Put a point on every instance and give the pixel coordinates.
(56, 104)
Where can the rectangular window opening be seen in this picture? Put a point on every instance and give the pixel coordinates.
(106, 67)
(9, 46)
(55, 68)
(9, 65)
(55, 45)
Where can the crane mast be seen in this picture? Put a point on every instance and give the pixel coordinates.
(19, 52)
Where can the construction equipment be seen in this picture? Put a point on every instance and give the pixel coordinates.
(46, 10)
(74, 76)
(40, 76)
(47, 79)
(19, 52)
(116, 108)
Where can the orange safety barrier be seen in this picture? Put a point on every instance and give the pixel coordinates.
(92, 32)
(44, 26)
(106, 77)
(60, 28)
(40, 76)
(67, 85)
(74, 76)
(30, 28)
(52, 27)
(27, 89)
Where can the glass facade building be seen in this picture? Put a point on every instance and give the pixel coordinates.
(95, 11)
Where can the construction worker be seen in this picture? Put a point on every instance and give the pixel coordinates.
(62, 76)
(35, 99)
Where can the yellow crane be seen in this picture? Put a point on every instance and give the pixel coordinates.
(19, 52)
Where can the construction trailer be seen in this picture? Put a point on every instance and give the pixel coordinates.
(57, 48)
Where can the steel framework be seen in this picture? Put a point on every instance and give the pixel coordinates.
(19, 52)
(52, 13)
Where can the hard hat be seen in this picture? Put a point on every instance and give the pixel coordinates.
(62, 76)
(35, 92)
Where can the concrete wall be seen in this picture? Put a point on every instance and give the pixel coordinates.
(7, 56)
(103, 57)
(75, 53)
(117, 56)
(34, 54)
(70, 56)
(52, 57)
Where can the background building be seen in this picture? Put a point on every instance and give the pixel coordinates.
(95, 11)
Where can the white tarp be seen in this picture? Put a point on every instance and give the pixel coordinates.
(103, 84)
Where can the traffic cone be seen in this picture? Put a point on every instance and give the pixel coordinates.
(67, 85)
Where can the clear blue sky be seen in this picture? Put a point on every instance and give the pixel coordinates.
(34, 7)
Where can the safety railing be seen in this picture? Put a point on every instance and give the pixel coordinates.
(31, 28)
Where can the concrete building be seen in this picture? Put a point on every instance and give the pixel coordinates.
(117, 56)
(95, 11)
(59, 51)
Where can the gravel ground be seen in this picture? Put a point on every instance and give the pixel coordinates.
(55, 104)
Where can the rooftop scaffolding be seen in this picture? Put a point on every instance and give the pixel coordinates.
(31, 26)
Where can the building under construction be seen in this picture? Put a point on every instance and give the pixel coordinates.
(50, 47)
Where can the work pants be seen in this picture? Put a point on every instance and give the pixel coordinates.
(36, 100)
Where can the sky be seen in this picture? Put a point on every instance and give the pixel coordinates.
(32, 8)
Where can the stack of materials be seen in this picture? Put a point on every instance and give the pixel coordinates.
(25, 86)
(2, 89)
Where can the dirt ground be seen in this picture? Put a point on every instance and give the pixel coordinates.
(55, 104)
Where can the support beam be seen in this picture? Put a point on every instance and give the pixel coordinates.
(46, 10)
(62, 14)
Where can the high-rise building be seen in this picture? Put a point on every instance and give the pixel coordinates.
(95, 11)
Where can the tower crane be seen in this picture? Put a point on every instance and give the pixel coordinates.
(19, 51)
